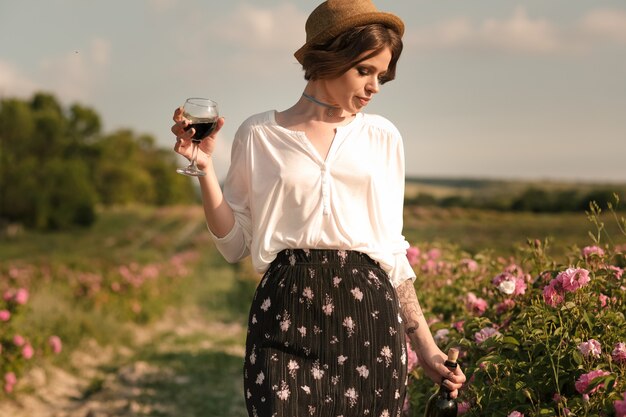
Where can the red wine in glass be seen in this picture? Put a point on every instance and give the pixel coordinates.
(202, 127)
(202, 115)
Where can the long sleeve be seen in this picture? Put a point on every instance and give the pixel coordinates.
(236, 244)
(401, 269)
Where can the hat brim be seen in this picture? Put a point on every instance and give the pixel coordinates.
(387, 19)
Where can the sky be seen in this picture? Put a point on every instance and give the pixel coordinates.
(489, 89)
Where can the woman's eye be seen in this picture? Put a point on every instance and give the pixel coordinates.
(362, 71)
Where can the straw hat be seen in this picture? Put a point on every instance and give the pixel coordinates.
(333, 17)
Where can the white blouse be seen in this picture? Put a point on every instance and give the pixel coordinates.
(285, 196)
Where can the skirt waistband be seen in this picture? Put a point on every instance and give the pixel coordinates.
(324, 257)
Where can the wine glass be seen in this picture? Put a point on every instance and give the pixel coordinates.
(202, 115)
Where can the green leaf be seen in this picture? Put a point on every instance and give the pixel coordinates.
(587, 319)
(509, 340)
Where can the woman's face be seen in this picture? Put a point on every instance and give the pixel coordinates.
(355, 88)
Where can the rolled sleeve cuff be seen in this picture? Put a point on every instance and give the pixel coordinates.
(232, 246)
(401, 271)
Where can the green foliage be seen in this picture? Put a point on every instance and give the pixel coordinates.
(77, 285)
(521, 349)
(534, 197)
(56, 166)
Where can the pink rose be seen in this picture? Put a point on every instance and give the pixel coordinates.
(474, 304)
(573, 278)
(505, 306)
(406, 407)
(441, 336)
(463, 407)
(412, 360)
(413, 254)
(21, 296)
(469, 264)
(27, 351)
(429, 266)
(617, 271)
(520, 286)
(9, 380)
(582, 383)
(620, 406)
(515, 414)
(485, 334)
(55, 344)
(589, 251)
(551, 294)
(590, 348)
(5, 315)
(458, 325)
(18, 340)
(603, 300)
(619, 352)
(434, 254)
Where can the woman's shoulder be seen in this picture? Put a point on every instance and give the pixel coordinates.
(381, 124)
(259, 119)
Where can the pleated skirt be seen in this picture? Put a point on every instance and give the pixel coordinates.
(325, 339)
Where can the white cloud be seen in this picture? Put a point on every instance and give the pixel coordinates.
(519, 33)
(249, 26)
(605, 24)
(100, 51)
(75, 74)
(14, 83)
(522, 34)
(162, 6)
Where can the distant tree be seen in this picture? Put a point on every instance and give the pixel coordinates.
(454, 201)
(602, 197)
(566, 200)
(423, 200)
(533, 199)
(67, 197)
(56, 165)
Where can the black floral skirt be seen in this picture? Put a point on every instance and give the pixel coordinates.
(325, 339)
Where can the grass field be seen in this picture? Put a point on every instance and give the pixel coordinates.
(503, 233)
(193, 347)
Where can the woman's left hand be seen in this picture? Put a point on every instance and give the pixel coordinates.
(431, 360)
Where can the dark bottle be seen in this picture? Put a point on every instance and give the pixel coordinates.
(440, 404)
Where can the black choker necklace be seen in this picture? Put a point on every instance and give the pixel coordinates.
(330, 109)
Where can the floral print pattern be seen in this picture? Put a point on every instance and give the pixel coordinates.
(325, 339)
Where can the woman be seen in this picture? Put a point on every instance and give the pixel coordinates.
(314, 194)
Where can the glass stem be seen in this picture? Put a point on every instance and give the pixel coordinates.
(194, 155)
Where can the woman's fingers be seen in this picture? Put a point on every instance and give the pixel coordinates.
(179, 128)
(178, 114)
(454, 380)
(220, 123)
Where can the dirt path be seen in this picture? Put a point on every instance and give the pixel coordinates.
(184, 365)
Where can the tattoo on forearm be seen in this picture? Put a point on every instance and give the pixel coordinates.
(410, 309)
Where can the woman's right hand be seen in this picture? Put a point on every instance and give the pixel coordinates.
(183, 139)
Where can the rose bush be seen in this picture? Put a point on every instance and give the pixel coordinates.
(122, 290)
(538, 338)
(18, 350)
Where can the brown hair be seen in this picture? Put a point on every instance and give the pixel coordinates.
(335, 57)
